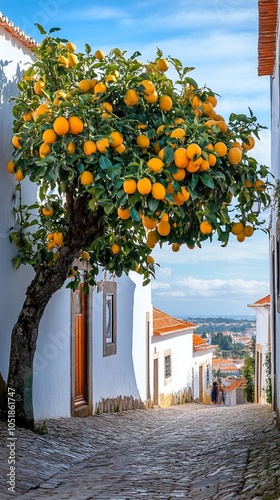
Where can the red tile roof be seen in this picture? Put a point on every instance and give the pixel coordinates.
(16, 32)
(265, 301)
(267, 36)
(164, 324)
(235, 384)
(198, 340)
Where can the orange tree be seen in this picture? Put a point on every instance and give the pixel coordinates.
(124, 158)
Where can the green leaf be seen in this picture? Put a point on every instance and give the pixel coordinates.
(153, 204)
(109, 208)
(41, 29)
(52, 30)
(92, 204)
(87, 48)
(207, 181)
(193, 181)
(135, 214)
(168, 154)
(104, 162)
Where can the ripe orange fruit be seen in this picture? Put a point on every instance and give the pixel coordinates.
(58, 238)
(151, 98)
(165, 103)
(193, 150)
(15, 141)
(49, 136)
(131, 97)
(99, 55)
(155, 164)
(61, 125)
(10, 167)
(38, 87)
(117, 139)
(124, 213)
(163, 228)
(27, 116)
(89, 148)
(248, 183)
(194, 166)
(71, 147)
(110, 78)
(205, 227)
(63, 61)
(204, 165)
(158, 191)
(149, 86)
(213, 100)
(99, 88)
(44, 150)
(178, 133)
(220, 148)
(120, 149)
(248, 231)
(207, 108)
(212, 160)
(234, 155)
(259, 185)
(237, 228)
(106, 106)
(102, 144)
(175, 247)
(240, 237)
(43, 109)
(181, 159)
(164, 217)
(143, 141)
(129, 186)
(221, 124)
(51, 244)
(85, 85)
(180, 175)
(72, 60)
(115, 248)
(236, 144)
(144, 186)
(196, 102)
(86, 178)
(85, 255)
(184, 195)
(149, 223)
(70, 46)
(76, 125)
(48, 213)
(19, 175)
(162, 65)
(249, 143)
(150, 259)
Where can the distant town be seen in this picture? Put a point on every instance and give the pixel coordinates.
(233, 339)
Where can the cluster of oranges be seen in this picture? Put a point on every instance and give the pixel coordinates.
(155, 157)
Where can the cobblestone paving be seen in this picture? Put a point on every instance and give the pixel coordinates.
(189, 451)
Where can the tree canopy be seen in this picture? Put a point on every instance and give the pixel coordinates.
(143, 157)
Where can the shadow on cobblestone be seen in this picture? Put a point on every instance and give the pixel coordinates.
(188, 451)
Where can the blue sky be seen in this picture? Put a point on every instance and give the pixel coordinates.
(219, 38)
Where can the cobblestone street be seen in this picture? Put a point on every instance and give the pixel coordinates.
(188, 451)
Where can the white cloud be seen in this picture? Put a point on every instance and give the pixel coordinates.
(208, 288)
(158, 285)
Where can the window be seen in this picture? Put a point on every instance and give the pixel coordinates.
(109, 318)
(167, 367)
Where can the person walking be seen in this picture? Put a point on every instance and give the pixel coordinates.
(214, 393)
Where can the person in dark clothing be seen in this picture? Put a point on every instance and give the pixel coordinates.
(214, 393)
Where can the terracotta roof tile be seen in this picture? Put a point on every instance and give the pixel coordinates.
(265, 301)
(267, 36)
(163, 323)
(235, 384)
(16, 32)
(198, 340)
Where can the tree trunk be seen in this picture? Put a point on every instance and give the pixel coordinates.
(82, 230)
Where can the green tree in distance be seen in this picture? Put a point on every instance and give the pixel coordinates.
(124, 158)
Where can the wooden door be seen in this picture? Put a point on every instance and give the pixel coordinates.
(80, 347)
(156, 381)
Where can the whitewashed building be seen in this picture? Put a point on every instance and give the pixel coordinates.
(268, 65)
(91, 350)
(181, 368)
(263, 347)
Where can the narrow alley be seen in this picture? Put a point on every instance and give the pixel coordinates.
(187, 451)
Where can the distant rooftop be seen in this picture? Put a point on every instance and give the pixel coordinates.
(164, 324)
(265, 301)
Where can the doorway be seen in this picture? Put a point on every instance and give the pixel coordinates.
(156, 381)
(81, 350)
